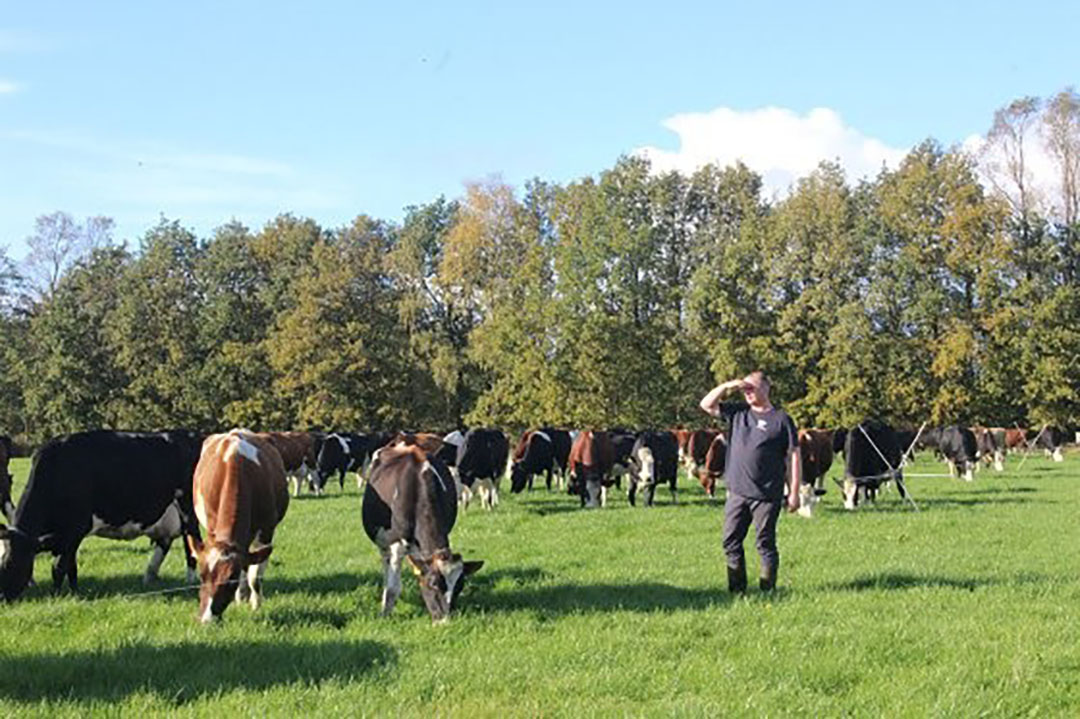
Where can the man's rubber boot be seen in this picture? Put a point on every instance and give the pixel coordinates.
(767, 581)
(736, 580)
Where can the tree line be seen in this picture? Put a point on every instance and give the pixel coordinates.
(945, 289)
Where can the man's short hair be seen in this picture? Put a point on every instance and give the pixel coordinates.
(760, 376)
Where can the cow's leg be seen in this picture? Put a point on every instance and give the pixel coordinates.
(161, 548)
(603, 495)
(999, 461)
(255, 575)
(631, 491)
(674, 490)
(952, 469)
(392, 559)
(295, 481)
(548, 478)
(851, 494)
(65, 566)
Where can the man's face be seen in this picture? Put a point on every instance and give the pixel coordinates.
(755, 389)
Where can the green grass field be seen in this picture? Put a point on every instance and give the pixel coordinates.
(970, 607)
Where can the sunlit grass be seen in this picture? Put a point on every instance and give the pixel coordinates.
(967, 607)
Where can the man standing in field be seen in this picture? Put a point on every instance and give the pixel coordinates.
(763, 447)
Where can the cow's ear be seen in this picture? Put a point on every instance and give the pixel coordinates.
(472, 567)
(261, 554)
(195, 545)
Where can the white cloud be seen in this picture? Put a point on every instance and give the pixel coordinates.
(779, 144)
(1041, 171)
(7, 87)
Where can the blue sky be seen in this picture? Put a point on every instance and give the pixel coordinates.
(211, 111)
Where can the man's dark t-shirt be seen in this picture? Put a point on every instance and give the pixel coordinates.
(758, 450)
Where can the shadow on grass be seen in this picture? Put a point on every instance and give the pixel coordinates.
(563, 599)
(180, 673)
(893, 503)
(890, 581)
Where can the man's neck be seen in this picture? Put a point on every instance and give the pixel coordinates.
(765, 406)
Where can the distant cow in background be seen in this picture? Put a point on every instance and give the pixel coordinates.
(340, 453)
(7, 451)
(711, 471)
(591, 460)
(241, 495)
(871, 457)
(697, 448)
(481, 461)
(1051, 441)
(1015, 439)
(990, 446)
(534, 454)
(957, 445)
(622, 442)
(298, 454)
(816, 452)
(655, 456)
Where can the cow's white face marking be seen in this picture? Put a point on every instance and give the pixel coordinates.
(593, 489)
(5, 550)
(1057, 455)
(968, 476)
(451, 572)
(213, 557)
(208, 615)
(807, 501)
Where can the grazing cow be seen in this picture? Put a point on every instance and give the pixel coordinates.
(340, 453)
(591, 460)
(1051, 440)
(118, 485)
(839, 440)
(7, 451)
(481, 460)
(816, 452)
(298, 453)
(1015, 439)
(655, 456)
(957, 445)
(697, 448)
(871, 457)
(622, 441)
(712, 469)
(535, 454)
(682, 437)
(241, 496)
(410, 507)
(428, 442)
(990, 446)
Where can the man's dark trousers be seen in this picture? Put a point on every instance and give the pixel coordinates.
(738, 513)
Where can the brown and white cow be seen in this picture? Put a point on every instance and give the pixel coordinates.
(816, 453)
(712, 469)
(697, 449)
(297, 450)
(592, 457)
(410, 506)
(240, 495)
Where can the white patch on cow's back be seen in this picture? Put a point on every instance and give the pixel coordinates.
(244, 448)
(543, 435)
(5, 550)
(455, 438)
(442, 482)
(343, 442)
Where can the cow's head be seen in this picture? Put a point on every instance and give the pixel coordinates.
(17, 550)
(221, 569)
(644, 465)
(518, 477)
(441, 580)
(851, 494)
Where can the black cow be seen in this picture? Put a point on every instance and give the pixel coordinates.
(1051, 441)
(929, 439)
(622, 442)
(535, 454)
(7, 451)
(118, 485)
(990, 446)
(561, 441)
(342, 452)
(839, 440)
(957, 445)
(871, 458)
(481, 459)
(655, 456)
(409, 509)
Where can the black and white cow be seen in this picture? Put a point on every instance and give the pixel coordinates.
(410, 506)
(481, 461)
(7, 452)
(655, 456)
(872, 456)
(339, 453)
(957, 446)
(1051, 441)
(535, 454)
(118, 485)
(622, 442)
(990, 446)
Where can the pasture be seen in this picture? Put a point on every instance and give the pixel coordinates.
(969, 607)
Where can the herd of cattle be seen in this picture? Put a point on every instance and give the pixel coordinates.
(235, 485)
